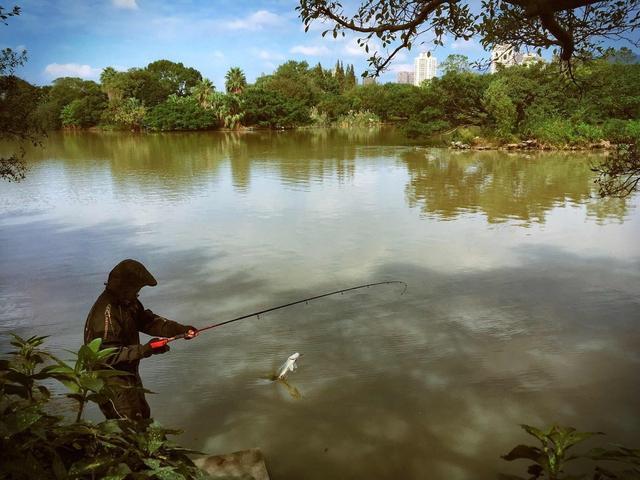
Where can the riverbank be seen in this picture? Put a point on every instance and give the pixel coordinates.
(602, 145)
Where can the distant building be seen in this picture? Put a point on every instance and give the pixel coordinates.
(406, 77)
(531, 59)
(425, 68)
(506, 56)
(369, 81)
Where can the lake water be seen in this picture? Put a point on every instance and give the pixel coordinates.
(522, 300)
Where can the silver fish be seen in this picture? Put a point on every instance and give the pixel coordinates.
(288, 366)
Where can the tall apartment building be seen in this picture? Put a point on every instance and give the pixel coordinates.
(406, 77)
(425, 68)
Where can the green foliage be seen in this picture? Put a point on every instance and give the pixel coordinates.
(18, 102)
(500, 108)
(64, 91)
(84, 112)
(552, 456)
(128, 113)
(455, 63)
(358, 119)
(36, 444)
(181, 113)
(235, 81)
(269, 109)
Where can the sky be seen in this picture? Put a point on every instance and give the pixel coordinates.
(81, 37)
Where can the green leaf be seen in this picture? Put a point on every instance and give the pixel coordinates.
(524, 451)
(94, 344)
(89, 465)
(22, 419)
(90, 382)
(539, 434)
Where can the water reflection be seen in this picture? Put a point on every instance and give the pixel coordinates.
(503, 185)
(500, 325)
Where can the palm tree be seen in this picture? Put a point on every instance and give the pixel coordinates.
(235, 81)
(202, 92)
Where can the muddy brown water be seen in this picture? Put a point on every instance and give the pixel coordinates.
(522, 305)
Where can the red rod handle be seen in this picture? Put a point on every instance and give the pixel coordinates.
(163, 341)
(159, 343)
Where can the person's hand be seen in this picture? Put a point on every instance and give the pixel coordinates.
(149, 350)
(191, 332)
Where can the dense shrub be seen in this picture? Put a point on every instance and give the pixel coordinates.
(269, 109)
(180, 113)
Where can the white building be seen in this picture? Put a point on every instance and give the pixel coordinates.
(406, 77)
(425, 67)
(504, 55)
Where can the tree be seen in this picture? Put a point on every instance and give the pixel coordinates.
(339, 74)
(270, 109)
(64, 91)
(202, 92)
(576, 27)
(129, 114)
(293, 80)
(181, 113)
(175, 78)
(83, 112)
(235, 81)
(455, 63)
(17, 102)
(499, 105)
(350, 77)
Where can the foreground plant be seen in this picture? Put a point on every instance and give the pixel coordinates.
(34, 443)
(552, 456)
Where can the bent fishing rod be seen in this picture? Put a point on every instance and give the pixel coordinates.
(163, 341)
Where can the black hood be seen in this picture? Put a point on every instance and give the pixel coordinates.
(129, 275)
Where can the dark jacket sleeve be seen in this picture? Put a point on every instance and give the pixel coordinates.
(157, 326)
(104, 322)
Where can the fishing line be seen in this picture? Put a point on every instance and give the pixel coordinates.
(162, 342)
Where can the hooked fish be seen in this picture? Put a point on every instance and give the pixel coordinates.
(288, 366)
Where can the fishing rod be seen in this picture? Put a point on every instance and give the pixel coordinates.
(163, 341)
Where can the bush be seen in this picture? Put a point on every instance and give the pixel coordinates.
(83, 112)
(358, 119)
(180, 113)
(36, 444)
(416, 129)
(270, 109)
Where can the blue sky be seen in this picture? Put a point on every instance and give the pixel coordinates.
(81, 37)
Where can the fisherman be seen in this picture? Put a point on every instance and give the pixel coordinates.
(117, 317)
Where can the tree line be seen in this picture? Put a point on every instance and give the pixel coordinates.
(539, 101)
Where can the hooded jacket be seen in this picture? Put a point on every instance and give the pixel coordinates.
(117, 317)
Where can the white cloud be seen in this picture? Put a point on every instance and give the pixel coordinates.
(353, 49)
(217, 54)
(267, 55)
(125, 4)
(312, 51)
(55, 70)
(256, 21)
